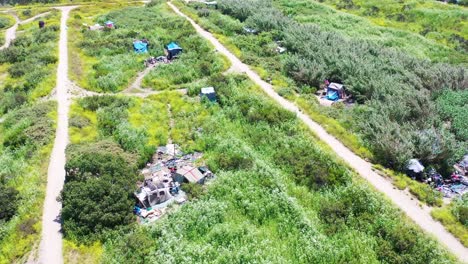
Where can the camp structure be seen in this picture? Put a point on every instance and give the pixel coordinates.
(335, 92)
(95, 27)
(172, 50)
(109, 24)
(153, 193)
(250, 30)
(140, 46)
(414, 169)
(209, 93)
(41, 24)
(189, 174)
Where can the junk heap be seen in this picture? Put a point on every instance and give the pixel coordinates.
(455, 185)
(163, 178)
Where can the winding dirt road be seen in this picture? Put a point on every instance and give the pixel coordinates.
(420, 215)
(50, 248)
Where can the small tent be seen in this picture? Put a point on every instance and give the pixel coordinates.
(415, 169)
(335, 92)
(208, 92)
(109, 24)
(173, 50)
(140, 46)
(41, 24)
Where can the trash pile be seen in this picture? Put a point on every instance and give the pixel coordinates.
(455, 185)
(163, 178)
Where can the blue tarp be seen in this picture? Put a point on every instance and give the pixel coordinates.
(173, 46)
(332, 95)
(140, 47)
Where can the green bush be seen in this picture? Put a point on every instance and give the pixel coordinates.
(8, 202)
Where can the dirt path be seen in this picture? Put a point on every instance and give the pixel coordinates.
(10, 33)
(50, 248)
(136, 85)
(420, 215)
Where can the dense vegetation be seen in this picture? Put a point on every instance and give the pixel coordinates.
(279, 197)
(445, 24)
(29, 64)
(396, 118)
(25, 143)
(455, 217)
(105, 60)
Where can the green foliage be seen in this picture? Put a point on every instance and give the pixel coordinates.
(452, 107)
(397, 118)
(453, 217)
(426, 18)
(8, 202)
(193, 190)
(271, 207)
(99, 176)
(31, 58)
(460, 210)
(25, 143)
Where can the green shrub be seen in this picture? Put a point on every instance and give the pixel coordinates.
(8, 202)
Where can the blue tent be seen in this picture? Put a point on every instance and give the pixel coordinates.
(173, 50)
(140, 47)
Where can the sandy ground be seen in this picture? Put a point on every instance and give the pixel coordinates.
(411, 207)
(50, 248)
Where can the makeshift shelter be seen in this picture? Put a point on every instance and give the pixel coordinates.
(96, 27)
(189, 174)
(208, 92)
(109, 24)
(152, 194)
(172, 50)
(140, 46)
(335, 92)
(414, 169)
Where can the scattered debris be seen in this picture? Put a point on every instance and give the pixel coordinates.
(152, 61)
(250, 30)
(163, 178)
(455, 185)
(95, 27)
(208, 92)
(279, 48)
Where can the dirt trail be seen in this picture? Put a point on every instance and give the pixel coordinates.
(420, 215)
(10, 33)
(136, 85)
(50, 248)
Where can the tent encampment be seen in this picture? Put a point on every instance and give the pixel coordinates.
(208, 92)
(109, 24)
(415, 169)
(173, 50)
(335, 92)
(140, 46)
